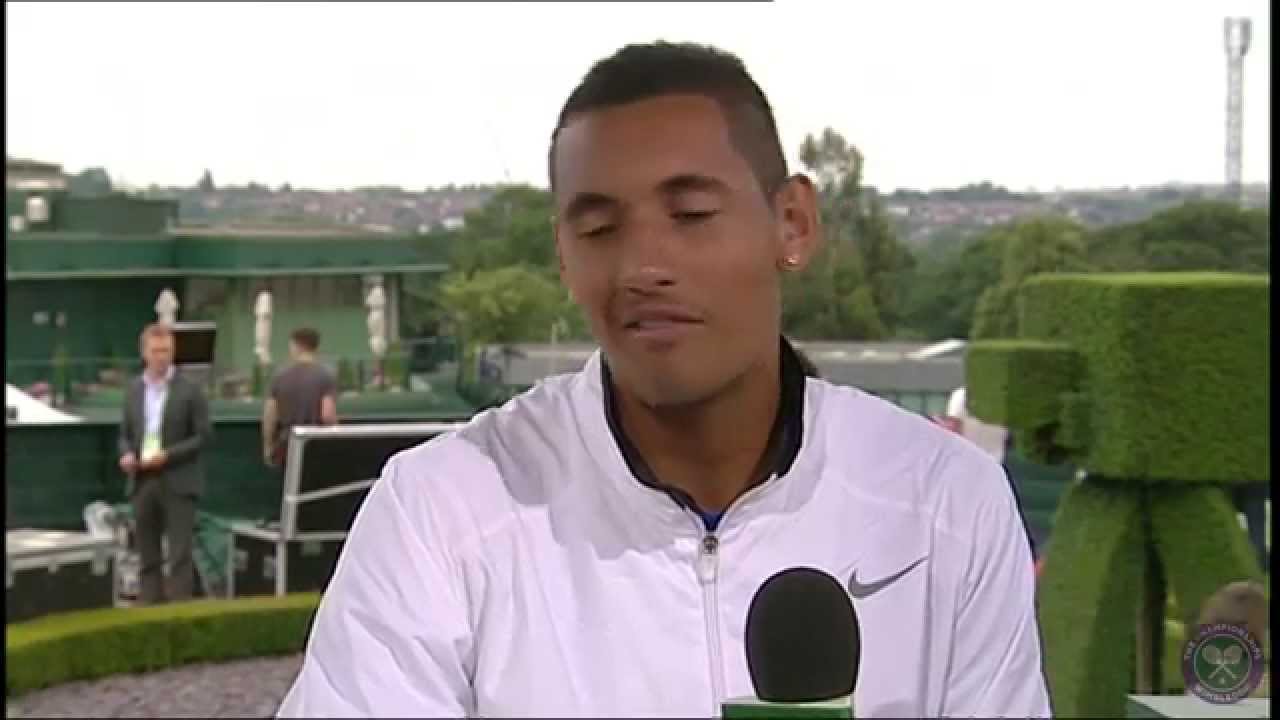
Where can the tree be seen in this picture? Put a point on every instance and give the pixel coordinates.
(509, 304)
(1197, 235)
(508, 240)
(1045, 244)
(942, 294)
(852, 290)
(91, 182)
(205, 183)
(512, 228)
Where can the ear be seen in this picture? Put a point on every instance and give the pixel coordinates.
(799, 224)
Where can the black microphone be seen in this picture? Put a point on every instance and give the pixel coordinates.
(803, 648)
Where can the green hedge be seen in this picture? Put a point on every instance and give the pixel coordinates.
(1075, 430)
(1020, 384)
(1178, 369)
(1088, 596)
(1164, 400)
(1198, 537)
(96, 643)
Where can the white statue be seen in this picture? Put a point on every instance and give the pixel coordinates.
(262, 328)
(167, 307)
(377, 302)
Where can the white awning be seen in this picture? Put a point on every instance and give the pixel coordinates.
(30, 411)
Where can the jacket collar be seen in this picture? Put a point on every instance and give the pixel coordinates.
(785, 438)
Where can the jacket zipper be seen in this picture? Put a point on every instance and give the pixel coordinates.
(708, 566)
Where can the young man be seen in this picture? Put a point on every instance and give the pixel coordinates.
(591, 548)
(305, 393)
(163, 431)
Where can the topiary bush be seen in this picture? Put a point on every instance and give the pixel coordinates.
(1169, 359)
(1197, 534)
(1158, 386)
(1092, 573)
(91, 644)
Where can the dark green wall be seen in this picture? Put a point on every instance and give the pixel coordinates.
(53, 472)
(52, 252)
(62, 252)
(104, 317)
(273, 252)
(112, 214)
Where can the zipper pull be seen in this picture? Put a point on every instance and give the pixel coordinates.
(708, 558)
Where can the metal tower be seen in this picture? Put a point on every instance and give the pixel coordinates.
(1236, 32)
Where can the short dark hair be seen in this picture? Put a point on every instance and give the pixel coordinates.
(641, 72)
(306, 338)
(155, 330)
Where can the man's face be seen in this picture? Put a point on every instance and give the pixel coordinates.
(157, 354)
(670, 246)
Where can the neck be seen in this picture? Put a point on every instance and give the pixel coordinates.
(305, 357)
(713, 450)
(157, 374)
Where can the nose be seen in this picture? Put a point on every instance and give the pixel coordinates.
(646, 261)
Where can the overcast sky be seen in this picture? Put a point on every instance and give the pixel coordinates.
(936, 93)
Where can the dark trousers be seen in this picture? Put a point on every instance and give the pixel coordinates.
(157, 512)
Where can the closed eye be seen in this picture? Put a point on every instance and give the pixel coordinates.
(597, 231)
(693, 215)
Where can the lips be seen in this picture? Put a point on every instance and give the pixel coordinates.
(659, 324)
(658, 316)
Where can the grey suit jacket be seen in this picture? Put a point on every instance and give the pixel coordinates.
(185, 431)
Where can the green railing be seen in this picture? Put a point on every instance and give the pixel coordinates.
(66, 382)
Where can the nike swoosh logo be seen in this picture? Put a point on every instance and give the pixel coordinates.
(861, 591)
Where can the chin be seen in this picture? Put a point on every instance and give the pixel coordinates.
(665, 381)
(667, 388)
(666, 396)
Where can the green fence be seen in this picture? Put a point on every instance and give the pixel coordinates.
(53, 471)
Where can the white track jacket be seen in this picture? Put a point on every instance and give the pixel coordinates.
(516, 567)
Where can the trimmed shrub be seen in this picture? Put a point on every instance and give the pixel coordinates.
(85, 645)
(1075, 429)
(1088, 597)
(1198, 537)
(1169, 402)
(1020, 384)
(1178, 370)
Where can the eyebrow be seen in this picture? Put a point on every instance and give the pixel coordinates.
(585, 202)
(692, 181)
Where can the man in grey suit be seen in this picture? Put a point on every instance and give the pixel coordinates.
(164, 428)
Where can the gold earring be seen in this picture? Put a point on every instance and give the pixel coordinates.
(791, 261)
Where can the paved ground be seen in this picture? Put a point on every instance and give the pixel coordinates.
(242, 689)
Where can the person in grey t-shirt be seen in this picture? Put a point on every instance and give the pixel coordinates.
(305, 393)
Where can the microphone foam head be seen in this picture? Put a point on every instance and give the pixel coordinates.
(802, 638)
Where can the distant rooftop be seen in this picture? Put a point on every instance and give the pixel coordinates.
(23, 174)
(871, 366)
(267, 230)
(24, 164)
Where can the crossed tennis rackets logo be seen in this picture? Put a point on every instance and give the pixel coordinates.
(1223, 663)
